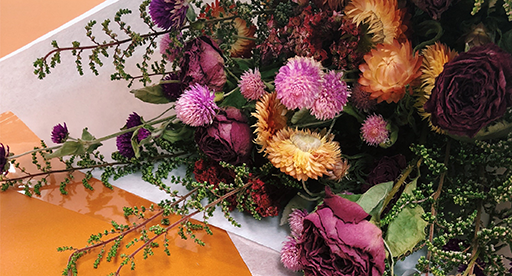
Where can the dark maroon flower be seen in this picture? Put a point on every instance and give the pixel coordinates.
(168, 14)
(172, 91)
(338, 240)
(60, 133)
(124, 141)
(4, 165)
(211, 172)
(203, 63)
(228, 138)
(474, 89)
(387, 169)
(434, 8)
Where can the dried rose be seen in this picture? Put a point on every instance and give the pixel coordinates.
(338, 240)
(202, 63)
(474, 89)
(228, 138)
(433, 7)
(387, 169)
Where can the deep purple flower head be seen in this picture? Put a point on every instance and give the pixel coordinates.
(172, 91)
(168, 14)
(332, 99)
(60, 133)
(4, 153)
(124, 141)
(196, 106)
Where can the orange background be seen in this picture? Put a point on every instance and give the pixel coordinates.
(21, 22)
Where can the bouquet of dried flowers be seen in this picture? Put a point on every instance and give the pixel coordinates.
(375, 128)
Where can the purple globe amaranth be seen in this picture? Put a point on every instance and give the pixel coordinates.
(228, 138)
(124, 141)
(202, 63)
(4, 153)
(168, 14)
(434, 7)
(60, 133)
(338, 240)
(474, 89)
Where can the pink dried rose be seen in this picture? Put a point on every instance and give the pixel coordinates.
(203, 64)
(338, 240)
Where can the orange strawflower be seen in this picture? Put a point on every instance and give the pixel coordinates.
(434, 58)
(243, 45)
(271, 118)
(383, 18)
(388, 69)
(304, 154)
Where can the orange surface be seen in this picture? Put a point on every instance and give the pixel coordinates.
(21, 22)
(32, 228)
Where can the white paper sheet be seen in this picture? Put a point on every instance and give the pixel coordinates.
(95, 102)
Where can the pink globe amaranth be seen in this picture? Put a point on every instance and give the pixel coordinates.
(228, 138)
(338, 240)
(474, 89)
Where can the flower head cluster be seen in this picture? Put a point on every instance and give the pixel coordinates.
(211, 172)
(124, 141)
(332, 99)
(168, 14)
(196, 106)
(374, 130)
(298, 82)
(251, 85)
(60, 133)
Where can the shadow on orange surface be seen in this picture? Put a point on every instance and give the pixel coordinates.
(31, 229)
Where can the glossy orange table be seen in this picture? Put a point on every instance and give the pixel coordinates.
(32, 228)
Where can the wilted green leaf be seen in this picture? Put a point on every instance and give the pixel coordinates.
(180, 133)
(68, 148)
(151, 94)
(406, 231)
(373, 199)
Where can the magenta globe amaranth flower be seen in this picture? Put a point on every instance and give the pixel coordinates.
(251, 85)
(296, 221)
(4, 164)
(168, 14)
(290, 255)
(473, 90)
(228, 138)
(60, 133)
(338, 240)
(196, 106)
(332, 99)
(299, 82)
(374, 130)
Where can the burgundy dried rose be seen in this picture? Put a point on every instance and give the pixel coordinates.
(387, 169)
(434, 7)
(228, 138)
(474, 89)
(202, 63)
(338, 240)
